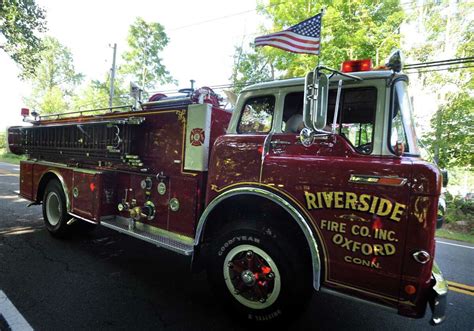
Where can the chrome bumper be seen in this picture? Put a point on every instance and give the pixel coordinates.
(438, 297)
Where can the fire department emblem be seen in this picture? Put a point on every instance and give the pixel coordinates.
(197, 137)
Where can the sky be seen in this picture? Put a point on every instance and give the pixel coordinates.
(203, 52)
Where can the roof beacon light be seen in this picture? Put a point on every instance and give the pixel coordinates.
(25, 112)
(356, 65)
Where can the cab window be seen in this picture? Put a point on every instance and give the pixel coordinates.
(356, 117)
(293, 113)
(257, 115)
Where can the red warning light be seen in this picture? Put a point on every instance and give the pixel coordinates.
(356, 65)
(92, 187)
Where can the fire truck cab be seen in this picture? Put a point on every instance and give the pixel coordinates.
(313, 183)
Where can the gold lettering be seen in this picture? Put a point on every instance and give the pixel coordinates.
(374, 205)
(320, 201)
(391, 236)
(364, 202)
(310, 200)
(338, 200)
(397, 212)
(324, 224)
(337, 239)
(378, 249)
(351, 201)
(389, 249)
(328, 197)
(384, 203)
(367, 249)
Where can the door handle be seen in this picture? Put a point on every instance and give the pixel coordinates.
(378, 180)
(280, 142)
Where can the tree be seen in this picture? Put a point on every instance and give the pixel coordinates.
(143, 62)
(96, 95)
(20, 21)
(350, 29)
(446, 31)
(55, 78)
(251, 67)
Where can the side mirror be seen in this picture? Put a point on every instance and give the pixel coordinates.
(320, 110)
(315, 100)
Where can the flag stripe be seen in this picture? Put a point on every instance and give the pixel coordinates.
(290, 35)
(290, 42)
(288, 47)
(303, 37)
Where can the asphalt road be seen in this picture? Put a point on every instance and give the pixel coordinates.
(109, 281)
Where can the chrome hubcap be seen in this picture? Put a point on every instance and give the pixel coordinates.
(252, 276)
(248, 278)
(53, 208)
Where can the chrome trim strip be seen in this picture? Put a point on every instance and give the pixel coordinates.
(83, 218)
(290, 209)
(373, 180)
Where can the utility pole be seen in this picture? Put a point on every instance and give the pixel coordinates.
(112, 77)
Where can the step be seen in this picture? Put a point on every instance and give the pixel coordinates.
(148, 233)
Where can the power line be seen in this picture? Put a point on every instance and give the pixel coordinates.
(440, 63)
(245, 84)
(422, 71)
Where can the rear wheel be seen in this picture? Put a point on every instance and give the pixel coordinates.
(260, 273)
(55, 211)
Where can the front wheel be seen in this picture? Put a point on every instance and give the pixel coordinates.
(260, 273)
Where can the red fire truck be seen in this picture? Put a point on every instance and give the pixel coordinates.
(310, 184)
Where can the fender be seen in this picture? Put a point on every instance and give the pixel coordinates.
(290, 209)
(63, 184)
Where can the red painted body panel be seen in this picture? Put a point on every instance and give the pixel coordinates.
(160, 144)
(326, 168)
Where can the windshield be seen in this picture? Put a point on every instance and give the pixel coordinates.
(402, 125)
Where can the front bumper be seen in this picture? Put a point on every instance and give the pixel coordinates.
(438, 297)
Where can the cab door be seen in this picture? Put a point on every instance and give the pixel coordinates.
(237, 156)
(356, 200)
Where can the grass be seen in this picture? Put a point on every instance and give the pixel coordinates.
(9, 157)
(454, 235)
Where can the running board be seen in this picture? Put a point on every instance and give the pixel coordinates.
(150, 234)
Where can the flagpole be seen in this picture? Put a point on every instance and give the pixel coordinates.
(320, 36)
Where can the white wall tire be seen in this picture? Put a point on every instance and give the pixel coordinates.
(235, 280)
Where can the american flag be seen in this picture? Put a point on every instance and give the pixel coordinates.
(300, 38)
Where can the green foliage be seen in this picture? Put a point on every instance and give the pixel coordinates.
(452, 137)
(96, 95)
(459, 209)
(3, 140)
(54, 80)
(20, 21)
(350, 29)
(448, 31)
(251, 67)
(143, 61)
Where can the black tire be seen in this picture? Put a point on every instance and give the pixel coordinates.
(55, 211)
(282, 295)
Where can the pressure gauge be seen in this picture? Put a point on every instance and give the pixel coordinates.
(146, 184)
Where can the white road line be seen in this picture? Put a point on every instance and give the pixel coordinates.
(457, 245)
(15, 320)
